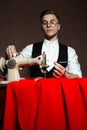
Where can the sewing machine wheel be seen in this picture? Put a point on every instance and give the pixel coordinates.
(11, 64)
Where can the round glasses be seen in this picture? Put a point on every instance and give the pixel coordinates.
(52, 23)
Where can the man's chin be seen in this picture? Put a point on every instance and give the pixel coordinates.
(50, 36)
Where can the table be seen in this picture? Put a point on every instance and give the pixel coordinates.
(46, 104)
(2, 102)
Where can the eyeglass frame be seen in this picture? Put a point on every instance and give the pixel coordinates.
(52, 23)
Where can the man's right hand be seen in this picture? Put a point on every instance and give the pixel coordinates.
(11, 51)
(2, 64)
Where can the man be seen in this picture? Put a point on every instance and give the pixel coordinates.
(62, 60)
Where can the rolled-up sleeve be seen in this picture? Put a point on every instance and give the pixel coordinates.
(26, 52)
(73, 65)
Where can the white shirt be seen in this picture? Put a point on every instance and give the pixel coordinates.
(52, 53)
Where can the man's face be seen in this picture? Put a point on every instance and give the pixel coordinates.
(50, 25)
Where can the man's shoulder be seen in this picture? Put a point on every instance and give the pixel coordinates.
(38, 42)
(71, 49)
(63, 44)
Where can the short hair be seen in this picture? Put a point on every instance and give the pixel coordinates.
(48, 11)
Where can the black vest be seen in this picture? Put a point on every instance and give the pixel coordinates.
(62, 59)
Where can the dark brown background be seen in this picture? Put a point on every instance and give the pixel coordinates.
(20, 25)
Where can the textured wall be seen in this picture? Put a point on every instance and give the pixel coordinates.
(20, 25)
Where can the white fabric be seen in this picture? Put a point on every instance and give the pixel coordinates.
(52, 53)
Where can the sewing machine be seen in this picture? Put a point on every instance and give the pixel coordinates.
(15, 63)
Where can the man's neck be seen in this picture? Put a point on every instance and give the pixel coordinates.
(51, 39)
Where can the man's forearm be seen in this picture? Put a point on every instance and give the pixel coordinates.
(70, 75)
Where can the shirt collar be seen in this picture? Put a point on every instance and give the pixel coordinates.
(48, 43)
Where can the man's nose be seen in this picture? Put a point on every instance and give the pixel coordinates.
(48, 24)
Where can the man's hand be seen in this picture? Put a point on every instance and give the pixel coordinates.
(2, 63)
(11, 51)
(59, 70)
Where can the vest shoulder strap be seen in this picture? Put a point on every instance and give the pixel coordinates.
(37, 49)
(63, 55)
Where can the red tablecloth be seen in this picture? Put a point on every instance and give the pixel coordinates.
(46, 104)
